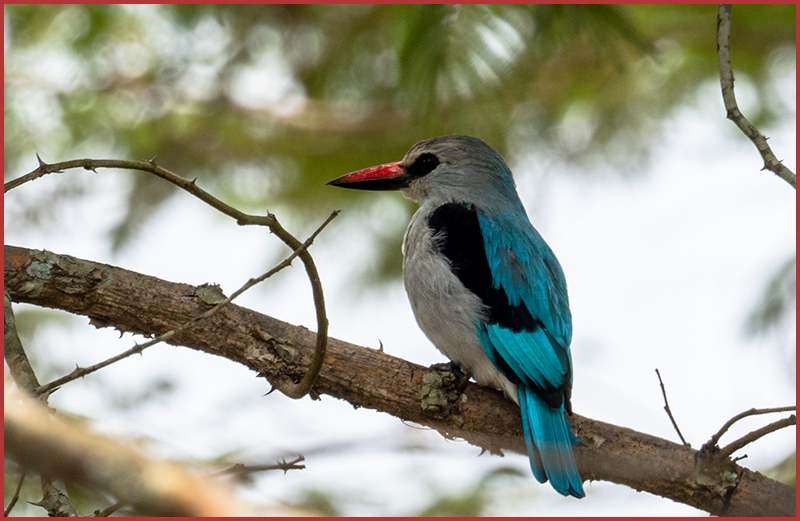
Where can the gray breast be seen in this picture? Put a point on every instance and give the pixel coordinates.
(446, 311)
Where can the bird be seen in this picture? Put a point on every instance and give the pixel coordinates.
(486, 289)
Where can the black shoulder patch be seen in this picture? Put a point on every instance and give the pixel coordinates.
(462, 243)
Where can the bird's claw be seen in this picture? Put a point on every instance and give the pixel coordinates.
(460, 377)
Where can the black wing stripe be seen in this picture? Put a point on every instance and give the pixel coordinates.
(462, 243)
(460, 240)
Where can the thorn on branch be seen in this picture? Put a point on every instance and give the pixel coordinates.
(240, 470)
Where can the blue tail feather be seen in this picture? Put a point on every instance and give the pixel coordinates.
(549, 440)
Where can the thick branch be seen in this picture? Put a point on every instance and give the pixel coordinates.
(129, 301)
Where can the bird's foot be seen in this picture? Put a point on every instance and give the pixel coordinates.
(460, 378)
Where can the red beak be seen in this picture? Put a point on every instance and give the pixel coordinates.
(391, 176)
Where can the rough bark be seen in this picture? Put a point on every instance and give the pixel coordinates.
(132, 302)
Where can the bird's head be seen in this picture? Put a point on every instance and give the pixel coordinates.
(440, 170)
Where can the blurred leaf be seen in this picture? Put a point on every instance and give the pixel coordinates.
(777, 304)
(321, 503)
(785, 471)
(472, 501)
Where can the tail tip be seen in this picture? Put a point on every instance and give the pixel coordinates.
(571, 488)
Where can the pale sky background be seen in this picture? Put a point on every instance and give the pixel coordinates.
(662, 268)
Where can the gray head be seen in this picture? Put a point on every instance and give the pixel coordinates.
(440, 170)
(455, 168)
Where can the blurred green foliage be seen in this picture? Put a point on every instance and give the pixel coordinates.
(472, 501)
(265, 103)
(778, 300)
(785, 471)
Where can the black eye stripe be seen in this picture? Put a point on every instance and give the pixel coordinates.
(423, 165)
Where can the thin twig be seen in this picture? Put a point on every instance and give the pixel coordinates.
(750, 412)
(138, 348)
(18, 364)
(733, 113)
(669, 412)
(24, 376)
(293, 391)
(109, 510)
(15, 497)
(756, 434)
(283, 465)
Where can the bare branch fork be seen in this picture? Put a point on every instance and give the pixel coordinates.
(771, 162)
(727, 451)
(712, 449)
(290, 389)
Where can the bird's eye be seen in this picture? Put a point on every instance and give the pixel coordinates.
(423, 165)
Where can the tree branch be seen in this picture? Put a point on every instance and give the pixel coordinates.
(15, 497)
(669, 411)
(240, 470)
(80, 372)
(287, 387)
(56, 502)
(750, 412)
(728, 450)
(368, 378)
(734, 114)
(109, 510)
(37, 441)
(18, 364)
